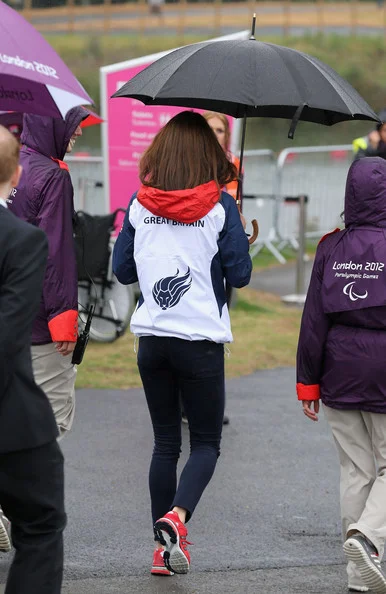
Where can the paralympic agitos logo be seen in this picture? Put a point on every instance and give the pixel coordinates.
(349, 291)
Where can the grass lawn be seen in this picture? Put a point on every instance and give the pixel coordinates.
(265, 333)
(265, 259)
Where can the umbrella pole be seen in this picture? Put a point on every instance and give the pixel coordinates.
(239, 198)
(239, 195)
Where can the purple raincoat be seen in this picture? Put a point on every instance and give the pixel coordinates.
(44, 197)
(342, 344)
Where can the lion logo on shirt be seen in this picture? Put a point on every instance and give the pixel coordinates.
(168, 291)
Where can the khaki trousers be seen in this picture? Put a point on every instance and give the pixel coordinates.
(360, 438)
(56, 375)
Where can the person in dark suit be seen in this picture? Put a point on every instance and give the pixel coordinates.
(31, 462)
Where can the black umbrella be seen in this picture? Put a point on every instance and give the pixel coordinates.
(249, 78)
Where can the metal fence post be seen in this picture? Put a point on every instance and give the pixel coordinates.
(299, 296)
(302, 246)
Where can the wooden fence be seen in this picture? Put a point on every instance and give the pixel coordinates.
(280, 17)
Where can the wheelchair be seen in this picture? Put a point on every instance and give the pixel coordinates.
(97, 285)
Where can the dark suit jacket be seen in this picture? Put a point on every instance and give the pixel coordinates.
(26, 417)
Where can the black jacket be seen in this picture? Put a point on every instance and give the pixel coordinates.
(26, 417)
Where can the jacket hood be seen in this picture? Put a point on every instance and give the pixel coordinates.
(184, 206)
(365, 199)
(50, 136)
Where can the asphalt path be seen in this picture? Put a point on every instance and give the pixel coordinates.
(280, 280)
(268, 522)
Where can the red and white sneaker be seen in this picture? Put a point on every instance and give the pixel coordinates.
(158, 567)
(172, 533)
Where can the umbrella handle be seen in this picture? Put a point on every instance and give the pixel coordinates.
(255, 227)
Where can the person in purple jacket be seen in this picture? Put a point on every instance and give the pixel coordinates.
(341, 360)
(44, 197)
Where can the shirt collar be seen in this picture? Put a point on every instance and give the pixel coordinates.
(3, 203)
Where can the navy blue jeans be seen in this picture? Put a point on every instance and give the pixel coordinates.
(170, 367)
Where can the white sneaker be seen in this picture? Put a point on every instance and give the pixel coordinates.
(354, 588)
(365, 556)
(355, 582)
(5, 533)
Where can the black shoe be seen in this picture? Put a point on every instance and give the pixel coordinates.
(365, 556)
(225, 420)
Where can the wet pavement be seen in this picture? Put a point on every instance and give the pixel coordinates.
(268, 522)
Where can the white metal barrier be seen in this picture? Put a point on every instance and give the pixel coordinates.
(317, 171)
(259, 198)
(320, 173)
(87, 179)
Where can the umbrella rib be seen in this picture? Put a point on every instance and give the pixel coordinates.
(15, 38)
(51, 82)
(298, 83)
(222, 65)
(169, 63)
(161, 70)
(216, 76)
(335, 84)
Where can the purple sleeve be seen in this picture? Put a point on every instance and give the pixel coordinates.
(313, 333)
(60, 292)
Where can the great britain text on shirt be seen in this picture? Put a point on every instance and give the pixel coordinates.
(165, 221)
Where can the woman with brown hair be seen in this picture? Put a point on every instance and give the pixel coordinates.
(220, 126)
(181, 239)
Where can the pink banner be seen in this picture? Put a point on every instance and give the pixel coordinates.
(131, 128)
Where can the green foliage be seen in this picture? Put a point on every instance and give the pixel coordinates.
(86, 54)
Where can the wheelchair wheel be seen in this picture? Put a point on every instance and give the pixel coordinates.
(114, 305)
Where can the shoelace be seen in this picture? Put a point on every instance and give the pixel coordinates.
(184, 543)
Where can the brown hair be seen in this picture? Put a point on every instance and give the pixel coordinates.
(9, 155)
(208, 115)
(184, 154)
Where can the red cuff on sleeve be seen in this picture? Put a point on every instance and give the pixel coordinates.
(308, 392)
(64, 327)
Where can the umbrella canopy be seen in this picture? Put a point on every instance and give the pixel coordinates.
(33, 78)
(249, 78)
